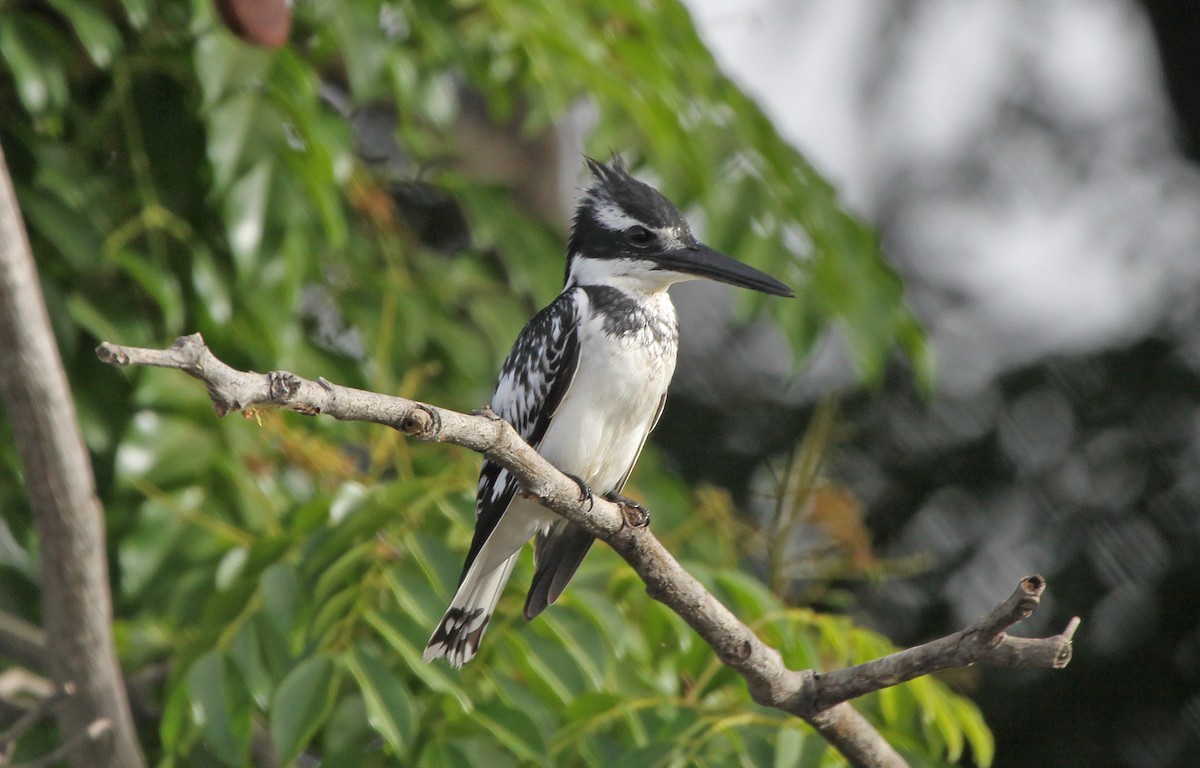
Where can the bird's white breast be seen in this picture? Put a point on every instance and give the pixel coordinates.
(612, 403)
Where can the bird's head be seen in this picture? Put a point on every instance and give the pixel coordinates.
(628, 235)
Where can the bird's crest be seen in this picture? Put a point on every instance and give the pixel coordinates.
(616, 200)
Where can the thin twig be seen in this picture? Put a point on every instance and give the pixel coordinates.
(93, 733)
(21, 641)
(13, 734)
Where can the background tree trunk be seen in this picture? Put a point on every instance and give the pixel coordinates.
(76, 601)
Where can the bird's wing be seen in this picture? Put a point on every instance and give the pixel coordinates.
(533, 381)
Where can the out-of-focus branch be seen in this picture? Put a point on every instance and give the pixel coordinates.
(79, 742)
(819, 698)
(13, 734)
(76, 603)
(21, 641)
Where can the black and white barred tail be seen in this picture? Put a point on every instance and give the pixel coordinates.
(457, 636)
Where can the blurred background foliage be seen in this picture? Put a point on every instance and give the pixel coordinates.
(275, 578)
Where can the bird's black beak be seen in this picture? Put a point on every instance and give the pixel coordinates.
(702, 261)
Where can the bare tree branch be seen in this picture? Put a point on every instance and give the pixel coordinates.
(76, 604)
(819, 698)
(984, 642)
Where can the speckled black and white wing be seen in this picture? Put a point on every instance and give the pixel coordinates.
(533, 381)
(535, 377)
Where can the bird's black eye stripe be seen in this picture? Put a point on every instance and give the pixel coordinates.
(639, 235)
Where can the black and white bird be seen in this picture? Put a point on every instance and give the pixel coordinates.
(584, 385)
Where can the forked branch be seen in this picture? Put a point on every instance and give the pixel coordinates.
(820, 698)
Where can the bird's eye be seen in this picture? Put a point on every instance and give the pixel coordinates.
(639, 235)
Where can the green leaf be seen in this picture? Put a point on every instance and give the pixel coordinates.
(176, 718)
(890, 706)
(514, 729)
(395, 631)
(63, 225)
(439, 754)
(301, 704)
(219, 709)
(32, 49)
(158, 283)
(211, 286)
(243, 130)
(98, 35)
(389, 708)
(244, 652)
(658, 753)
(162, 449)
(583, 641)
(145, 551)
(548, 666)
(816, 753)
(229, 568)
(346, 570)
(137, 11)
(951, 733)
(788, 747)
(746, 595)
(347, 739)
(335, 608)
(245, 210)
(281, 587)
(131, 330)
(983, 743)
(592, 711)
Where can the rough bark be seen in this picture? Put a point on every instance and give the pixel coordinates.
(819, 698)
(76, 604)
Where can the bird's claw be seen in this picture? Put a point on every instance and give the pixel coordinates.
(434, 416)
(636, 516)
(585, 491)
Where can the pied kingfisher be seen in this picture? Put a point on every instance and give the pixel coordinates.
(584, 385)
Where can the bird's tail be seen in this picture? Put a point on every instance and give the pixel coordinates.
(558, 555)
(458, 634)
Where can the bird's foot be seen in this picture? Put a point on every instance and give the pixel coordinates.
(585, 491)
(636, 515)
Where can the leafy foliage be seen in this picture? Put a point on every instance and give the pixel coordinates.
(288, 570)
